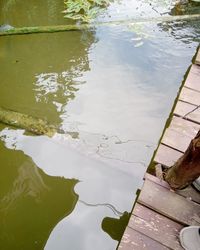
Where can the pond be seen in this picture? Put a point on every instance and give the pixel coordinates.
(109, 91)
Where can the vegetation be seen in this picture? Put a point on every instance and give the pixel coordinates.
(186, 7)
(29, 123)
(84, 10)
(134, 25)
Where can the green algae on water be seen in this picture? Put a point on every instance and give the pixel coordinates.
(27, 122)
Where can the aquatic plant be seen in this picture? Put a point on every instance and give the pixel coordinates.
(186, 7)
(84, 10)
(27, 122)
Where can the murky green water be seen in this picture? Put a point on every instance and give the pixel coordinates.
(109, 90)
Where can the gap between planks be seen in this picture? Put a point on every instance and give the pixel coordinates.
(156, 226)
(193, 79)
(179, 134)
(190, 193)
(190, 96)
(187, 111)
(133, 240)
(169, 204)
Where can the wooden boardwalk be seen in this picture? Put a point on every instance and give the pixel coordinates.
(160, 213)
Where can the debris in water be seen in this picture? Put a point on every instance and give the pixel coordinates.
(138, 44)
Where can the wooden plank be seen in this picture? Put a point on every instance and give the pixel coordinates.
(133, 240)
(194, 116)
(166, 156)
(193, 78)
(189, 192)
(168, 239)
(190, 96)
(197, 60)
(183, 108)
(156, 226)
(156, 180)
(184, 127)
(174, 139)
(187, 111)
(169, 204)
(179, 134)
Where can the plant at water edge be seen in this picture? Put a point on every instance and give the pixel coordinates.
(84, 10)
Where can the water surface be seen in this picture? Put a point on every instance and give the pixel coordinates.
(109, 90)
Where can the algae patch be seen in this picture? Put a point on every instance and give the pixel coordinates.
(29, 123)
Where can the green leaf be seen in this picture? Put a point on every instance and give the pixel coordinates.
(84, 10)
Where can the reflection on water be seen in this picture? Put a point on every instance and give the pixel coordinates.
(98, 196)
(109, 90)
(27, 202)
(179, 30)
(45, 75)
(115, 227)
(29, 13)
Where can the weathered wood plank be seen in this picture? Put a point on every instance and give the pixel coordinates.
(166, 156)
(189, 192)
(193, 78)
(133, 240)
(190, 96)
(156, 226)
(197, 60)
(183, 108)
(184, 127)
(179, 134)
(187, 111)
(175, 140)
(169, 204)
(156, 180)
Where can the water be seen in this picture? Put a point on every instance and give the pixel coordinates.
(110, 90)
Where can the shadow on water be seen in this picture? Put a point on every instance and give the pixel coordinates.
(31, 202)
(115, 227)
(31, 182)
